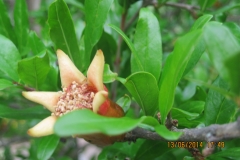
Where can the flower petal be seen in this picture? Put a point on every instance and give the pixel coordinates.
(47, 99)
(68, 71)
(43, 128)
(95, 71)
(98, 100)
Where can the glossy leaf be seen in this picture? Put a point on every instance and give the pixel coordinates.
(233, 68)
(108, 75)
(120, 150)
(112, 153)
(227, 8)
(200, 47)
(234, 28)
(21, 25)
(46, 146)
(76, 3)
(165, 133)
(143, 87)
(71, 124)
(148, 44)
(201, 21)
(62, 32)
(151, 149)
(222, 46)
(5, 84)
(179, 113)
(33, 71)
(173, 70)
(193, 106)
(230, 153)
(9, 58)
(124, 102)
(52, 80)
(109, 47)
(37, 112)
(219, 109)
(36, 44)
(131, 47)
(206, 3)
(185, 118)
(6, 28)
(96, 15)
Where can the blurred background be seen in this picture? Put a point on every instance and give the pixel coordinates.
(175, 18)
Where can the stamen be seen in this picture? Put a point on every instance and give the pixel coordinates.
(75, 96)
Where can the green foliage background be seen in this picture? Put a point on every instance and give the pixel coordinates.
(169, 56)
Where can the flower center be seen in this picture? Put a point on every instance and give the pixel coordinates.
(75, 96)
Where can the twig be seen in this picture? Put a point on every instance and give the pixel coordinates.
(212, 133)
(135, 16)
(187, 7)
(24, 87)
(118, 56)
(182, 6)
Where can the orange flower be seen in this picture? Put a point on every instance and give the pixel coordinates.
(78, 92)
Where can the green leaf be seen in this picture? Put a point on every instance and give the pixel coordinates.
(96, 15)
(186, 118)
(52, 80)
(151, 149)
(148, 44)
(143, 87)
(222, 47)
(62, 32)
(196, 55)
(233, 68)
(65, 158)
(37, 112)
(193, 106)
(227, 8)
(21, 25)
(9, 58)
(234, 28)
(165, 133)
(109, 47)
(219, 109)
(173, 70)
(33, 71)
(76, 3)
(6, 27)
(200, 47)
(120, 150)
(124, 102)
(179, 113)
(71, 124)
(231, 153)
(131, 46)
(36, 44)
(5, 84)
(206, 3)
(111, 153)
(108, 75)
(46, 146)
(201, 21)
(7, 153)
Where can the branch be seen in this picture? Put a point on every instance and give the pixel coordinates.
(26, 88)
(187, 7)
(212, 133)
(135, 16)
(182, 6)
